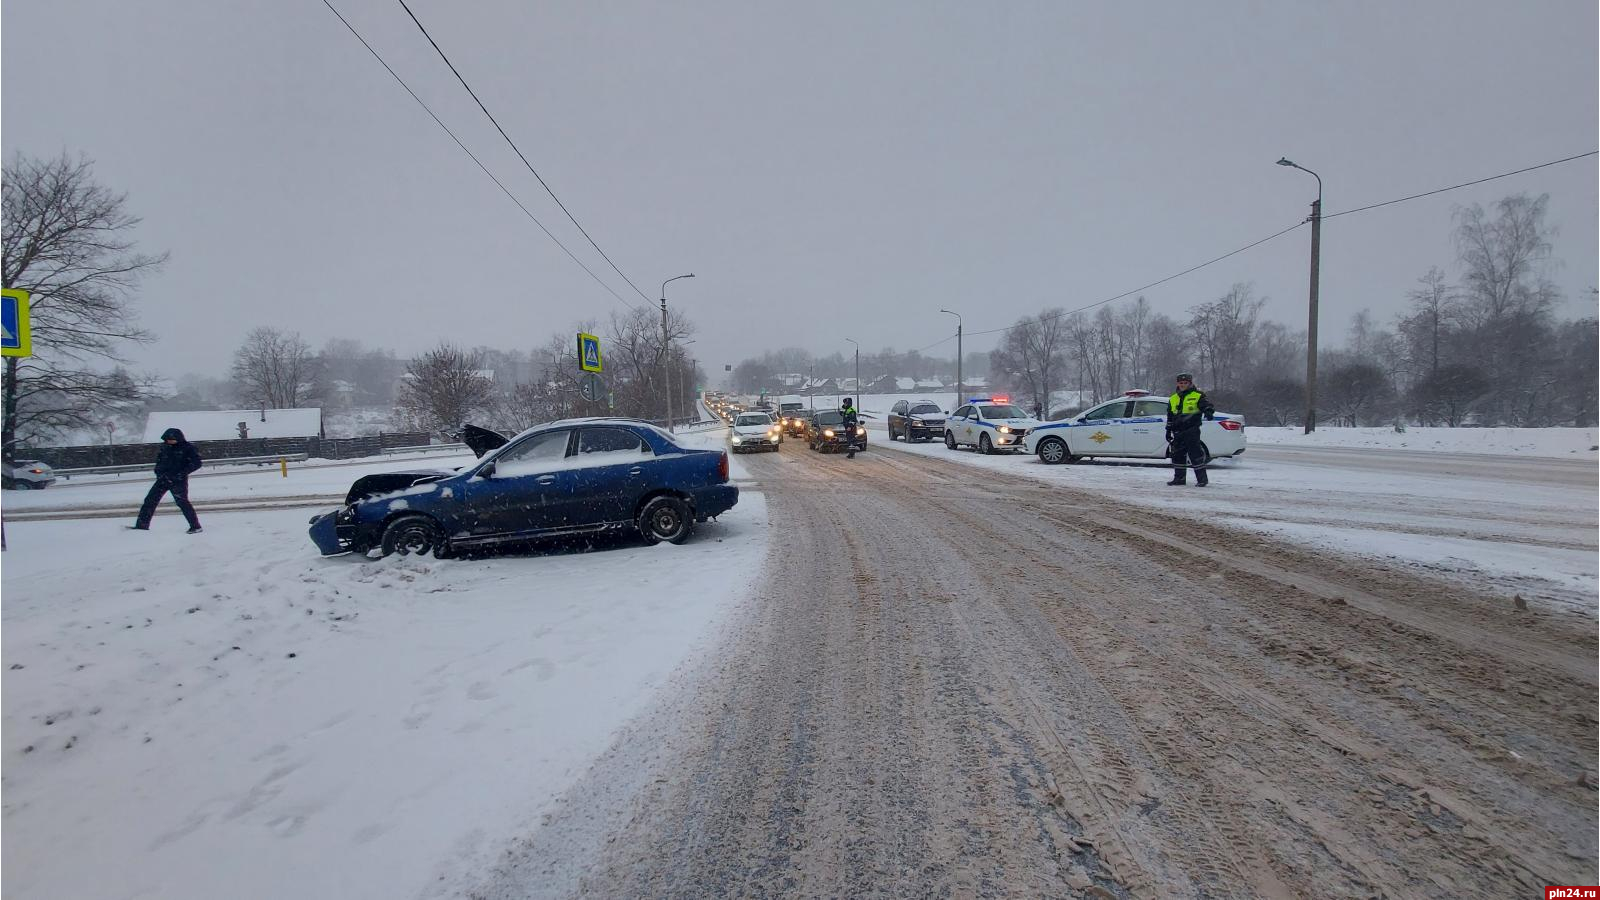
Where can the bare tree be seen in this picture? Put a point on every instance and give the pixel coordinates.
(273, 370)
(65, 239)
(1035, 349)
(442, 389)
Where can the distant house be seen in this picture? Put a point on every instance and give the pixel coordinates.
(224, 424)
(929, 384)
(883, 384)
(905, 385)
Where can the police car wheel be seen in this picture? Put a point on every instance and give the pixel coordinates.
(1205, 454)
(949, 440)
(985, 445)
(1053, 451)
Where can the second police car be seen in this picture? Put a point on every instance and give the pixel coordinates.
(1133, 425)
(988, 424)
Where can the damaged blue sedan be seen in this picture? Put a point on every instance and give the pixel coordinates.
(570, 477)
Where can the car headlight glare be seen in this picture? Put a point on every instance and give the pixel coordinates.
(861, 431)
(828, 433)
(737, 439)
(1005, 429)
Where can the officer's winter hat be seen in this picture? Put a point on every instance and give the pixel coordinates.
(1184, 376)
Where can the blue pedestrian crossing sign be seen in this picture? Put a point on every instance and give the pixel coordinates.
(588, 352)
(17, 337)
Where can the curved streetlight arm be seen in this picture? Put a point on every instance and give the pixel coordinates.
(956, 314)
(671, 280)
(1284, 161)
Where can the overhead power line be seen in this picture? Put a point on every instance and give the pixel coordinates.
(1453, 187)
(502, 187)
(1275, 235)
(518, 150)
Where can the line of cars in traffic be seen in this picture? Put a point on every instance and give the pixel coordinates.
(1130, 426)
(763, 427)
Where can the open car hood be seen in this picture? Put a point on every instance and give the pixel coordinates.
(482, 440)
(388, 482)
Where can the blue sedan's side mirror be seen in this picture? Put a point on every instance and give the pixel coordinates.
(486, 471)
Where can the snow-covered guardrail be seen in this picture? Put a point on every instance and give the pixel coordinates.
(422, 448)
(267, 459)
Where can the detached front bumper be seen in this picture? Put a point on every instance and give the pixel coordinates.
(333, 536)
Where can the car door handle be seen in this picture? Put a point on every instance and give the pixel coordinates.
(636, 470)
(546, 479)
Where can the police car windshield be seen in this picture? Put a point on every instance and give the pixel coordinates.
(921, 408)
(761, 419)
(1001, 412)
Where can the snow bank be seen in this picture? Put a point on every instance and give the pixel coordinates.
(1552, 442)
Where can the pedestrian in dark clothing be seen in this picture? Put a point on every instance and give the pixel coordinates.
(1185, 410)
(174, 462)
(848, 411)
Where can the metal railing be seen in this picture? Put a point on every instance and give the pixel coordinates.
(422, 448)
(266, 460)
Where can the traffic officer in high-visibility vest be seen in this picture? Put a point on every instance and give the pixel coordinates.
(1185, 410)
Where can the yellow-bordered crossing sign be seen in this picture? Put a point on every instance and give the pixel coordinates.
(588, 352)
(17, 337)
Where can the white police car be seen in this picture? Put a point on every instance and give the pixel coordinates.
(1133, 425)
(990, 424)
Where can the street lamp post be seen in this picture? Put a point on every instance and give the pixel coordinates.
(959, 325)
(1311, 327)
(680, 375)
(666, 362)
(858, 368)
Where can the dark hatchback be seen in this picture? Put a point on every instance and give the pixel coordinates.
(916, 420)
(570, 477)
(825, 431)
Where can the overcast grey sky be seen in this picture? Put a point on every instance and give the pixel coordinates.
(827, 170)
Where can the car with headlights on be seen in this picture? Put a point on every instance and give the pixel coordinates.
(792, 416)
(754, 431)
(988, 425)
(825, 431)
(1134, 426)
(26, 475)
(915, 420)
(575, 476)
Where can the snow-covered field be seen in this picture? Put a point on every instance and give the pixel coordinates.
(230, 715)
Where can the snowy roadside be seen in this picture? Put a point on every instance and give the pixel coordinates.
(1558, 443)
(230, 715)
(1536, 540)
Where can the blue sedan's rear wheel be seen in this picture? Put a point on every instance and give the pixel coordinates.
(414, 535)
(666, 519)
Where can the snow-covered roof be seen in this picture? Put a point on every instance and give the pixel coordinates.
(906, 384)
(929, 383)
(223, 424)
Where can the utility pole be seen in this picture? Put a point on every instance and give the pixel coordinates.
(1311, 325)
(666, 347)
(858, 369)
(959, 325)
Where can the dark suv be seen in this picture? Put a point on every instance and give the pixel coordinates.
(916, 420)
(825, 431)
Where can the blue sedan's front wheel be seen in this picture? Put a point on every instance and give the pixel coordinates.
(414, 534)
(666, 519)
